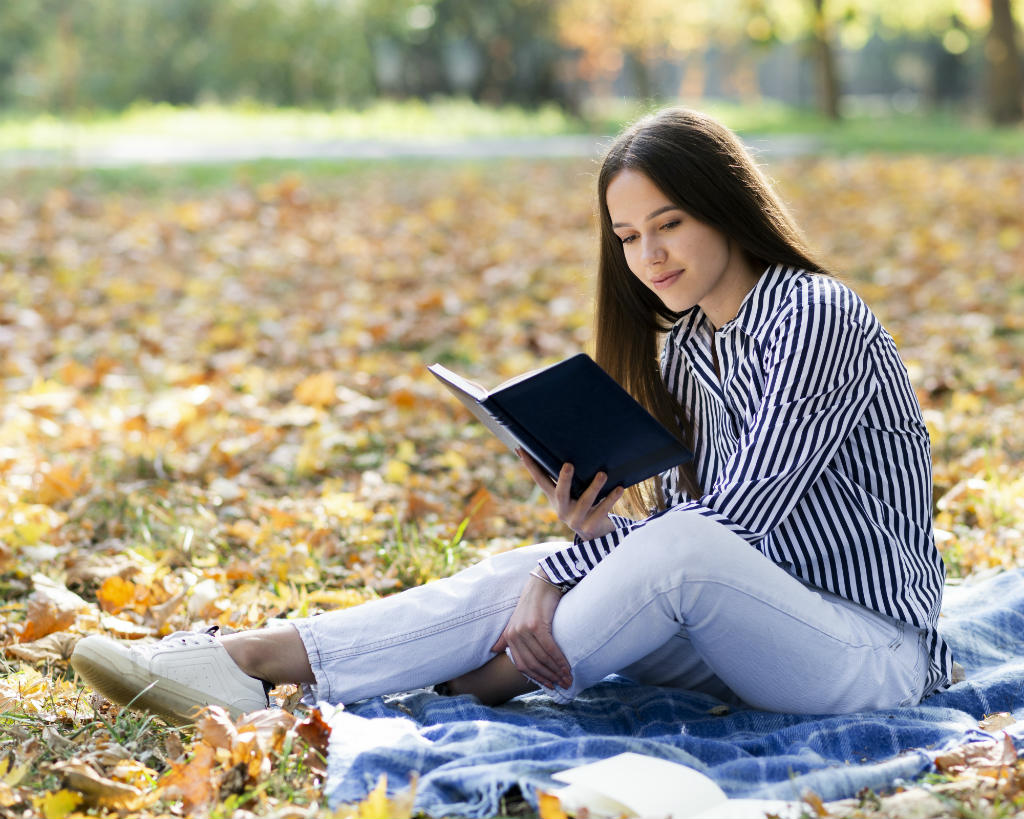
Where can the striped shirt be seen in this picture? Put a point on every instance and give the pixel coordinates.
(810, 445)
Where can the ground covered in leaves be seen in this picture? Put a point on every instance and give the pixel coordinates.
(214, 409)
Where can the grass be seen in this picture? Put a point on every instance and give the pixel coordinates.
(410, 120)
(864, 129)
(765, 122)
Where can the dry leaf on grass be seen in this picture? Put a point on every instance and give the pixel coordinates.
(978, 755)
(57, 645)
(98, 790)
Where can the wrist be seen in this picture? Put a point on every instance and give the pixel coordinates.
(540, 574)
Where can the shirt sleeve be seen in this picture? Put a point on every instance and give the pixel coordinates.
(819, 381)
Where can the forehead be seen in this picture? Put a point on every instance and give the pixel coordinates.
(632, 195)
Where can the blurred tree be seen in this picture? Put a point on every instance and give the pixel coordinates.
(1005, 80)
(493, 52)
(828, 76)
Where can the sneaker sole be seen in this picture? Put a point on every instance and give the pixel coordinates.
(121, 682)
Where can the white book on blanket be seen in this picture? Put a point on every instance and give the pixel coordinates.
(634, 785)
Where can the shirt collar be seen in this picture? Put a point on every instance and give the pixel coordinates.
(763, 300)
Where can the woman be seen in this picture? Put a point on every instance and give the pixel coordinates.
(791, 566)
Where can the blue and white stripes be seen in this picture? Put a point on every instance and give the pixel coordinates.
(810, 446)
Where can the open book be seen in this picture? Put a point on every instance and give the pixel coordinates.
(631, 785)
(573, 412)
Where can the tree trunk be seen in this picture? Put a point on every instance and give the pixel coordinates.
(828, 73)
(1005, 80)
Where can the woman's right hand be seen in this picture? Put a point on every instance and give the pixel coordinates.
(581, 515)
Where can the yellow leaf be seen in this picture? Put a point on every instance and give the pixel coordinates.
(396, 472)
(378, 806)
(317, 390)
(58, 804)
(12, 774)
(549, 806)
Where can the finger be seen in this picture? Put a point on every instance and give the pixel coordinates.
(501, 645)
(529, 663)
(555, 660)
(544, 654)
(604, 508)
(586, 500)
(540, 477)
(563, 498)
(584, 509)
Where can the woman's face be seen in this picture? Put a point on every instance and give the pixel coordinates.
(684, 261)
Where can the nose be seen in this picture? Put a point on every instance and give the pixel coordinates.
(653, 252)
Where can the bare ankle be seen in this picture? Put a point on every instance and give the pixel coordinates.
(276, 655)
(495, 682)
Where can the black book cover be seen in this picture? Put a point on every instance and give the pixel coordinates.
(573, 412)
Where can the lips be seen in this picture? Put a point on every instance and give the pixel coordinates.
(665, 279)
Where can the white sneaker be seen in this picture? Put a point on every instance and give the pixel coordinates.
(173, 678)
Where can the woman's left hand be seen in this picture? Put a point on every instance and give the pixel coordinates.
(528, 635)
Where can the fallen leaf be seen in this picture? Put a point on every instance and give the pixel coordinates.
(12, 771)
(812, 800)
(993, 722)
(58, 804)
(316, 390)
(378, 806)
(115, 593)
(51, 607)
(192, 781)
(549, 806)
(57, 645)
(315, 731)
(215, 727)
(986, 754)
(98, 790)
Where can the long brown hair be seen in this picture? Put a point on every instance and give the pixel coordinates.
(702, 167)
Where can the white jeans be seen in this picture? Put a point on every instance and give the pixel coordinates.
(681, 602)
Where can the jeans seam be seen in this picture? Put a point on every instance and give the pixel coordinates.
(308, 636)
(410, 636)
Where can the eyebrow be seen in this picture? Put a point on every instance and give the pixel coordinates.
(649, 216)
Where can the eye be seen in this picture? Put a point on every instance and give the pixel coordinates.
(670, 225)
(627, 239)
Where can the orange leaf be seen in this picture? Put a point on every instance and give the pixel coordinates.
(51, 607)
(315, 731)
(192, 781)
(404, 399)
(55, 484)
(215, 727)
(815, 803)
(549, 806)
(115, 593)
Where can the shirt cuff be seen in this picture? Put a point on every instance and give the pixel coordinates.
(569, 565)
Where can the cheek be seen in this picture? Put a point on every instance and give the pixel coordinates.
(631, 254)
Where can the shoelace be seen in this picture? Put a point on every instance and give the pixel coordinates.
(192, 638)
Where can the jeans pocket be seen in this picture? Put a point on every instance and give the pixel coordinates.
(913, 656)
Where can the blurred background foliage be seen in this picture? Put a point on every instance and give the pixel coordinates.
(838, 56)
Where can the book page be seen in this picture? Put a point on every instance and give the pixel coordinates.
(644, 785)
(457, 383)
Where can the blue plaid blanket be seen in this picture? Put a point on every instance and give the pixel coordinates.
(468, 757)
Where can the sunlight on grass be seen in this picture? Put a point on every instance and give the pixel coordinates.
(384, 119)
